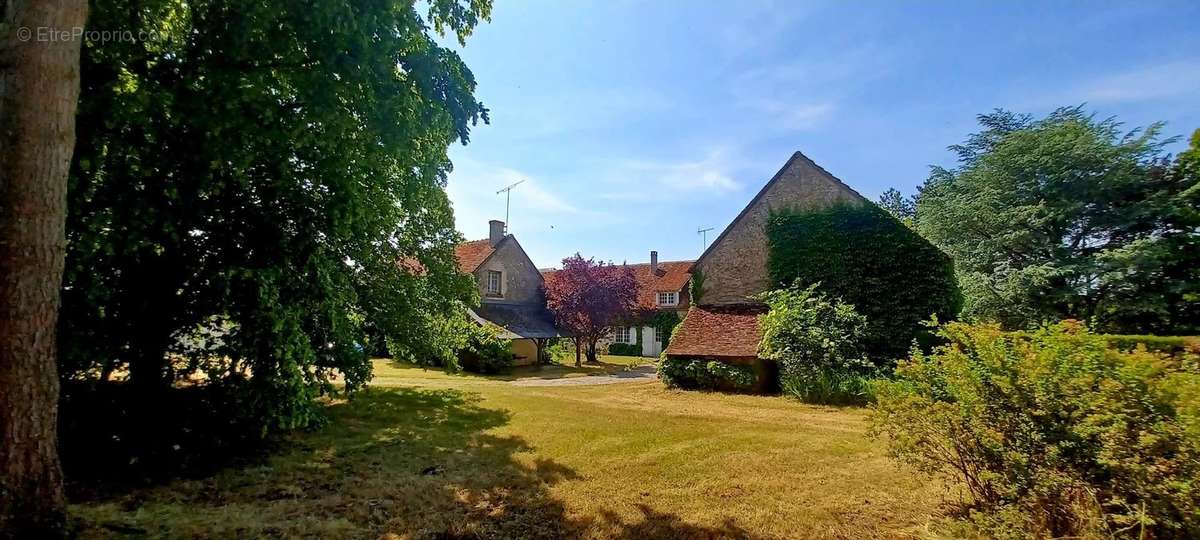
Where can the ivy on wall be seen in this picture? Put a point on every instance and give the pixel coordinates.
(863, 255)
(697, 286)
(664, 323)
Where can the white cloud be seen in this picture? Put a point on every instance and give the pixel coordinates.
(1168, 80)
(805, 94)
(796, 117)
(758, 25)
(710, 173)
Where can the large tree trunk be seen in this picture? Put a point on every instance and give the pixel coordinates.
(39, 88)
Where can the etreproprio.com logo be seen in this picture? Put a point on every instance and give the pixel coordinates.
(47, 34)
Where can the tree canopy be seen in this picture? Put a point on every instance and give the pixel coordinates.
(1070, 216)
(248, 178)
(588, 298)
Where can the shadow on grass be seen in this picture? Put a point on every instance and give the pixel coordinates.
(417, 463)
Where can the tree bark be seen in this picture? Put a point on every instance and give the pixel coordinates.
(578, 362)
(591, 352)
(39, 89)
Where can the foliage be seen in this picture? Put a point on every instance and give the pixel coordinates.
(1051, 431)
(904, 210)
(696, 286)
(485, 352)
(624, 349)
(276, 165)
(664, 323)
(559, 349)
(1169, 345)
(818, 345)
(862, 255)
(446, 335)
(700, 374)
(1069, 217)
(589, 297)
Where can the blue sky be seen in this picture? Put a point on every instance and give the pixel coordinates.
(635, 123)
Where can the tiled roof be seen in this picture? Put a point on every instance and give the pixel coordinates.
(728, 331)
(472, 254)
(670, 277)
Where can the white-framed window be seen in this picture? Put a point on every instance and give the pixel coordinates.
(624, 334)
(668, 298)
(493, 282)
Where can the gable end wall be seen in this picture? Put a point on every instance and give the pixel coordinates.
(735, 268)
(521, 280)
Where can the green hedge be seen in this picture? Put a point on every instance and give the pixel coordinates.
(866, 257)
(693, 374)
(624, 349)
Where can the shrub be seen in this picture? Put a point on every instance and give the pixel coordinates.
(818, 345)
(1052, 432)
(625, 349)
(485, 352)
(863, 255)
(1169, 345)
(701, 374)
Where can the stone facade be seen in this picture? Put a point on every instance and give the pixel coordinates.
(520, 283)
(734, 267)
(519, 307)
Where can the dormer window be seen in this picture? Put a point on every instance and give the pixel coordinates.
(493, 283)
(668, 298)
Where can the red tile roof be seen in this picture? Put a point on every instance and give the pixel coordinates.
(727, 331)
(472, 254)
(670, 277)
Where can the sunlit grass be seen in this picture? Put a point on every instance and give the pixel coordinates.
(426, 453)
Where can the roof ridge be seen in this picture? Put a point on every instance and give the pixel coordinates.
(797, 155)
(660, 262)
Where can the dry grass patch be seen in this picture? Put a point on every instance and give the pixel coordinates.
(426, 454)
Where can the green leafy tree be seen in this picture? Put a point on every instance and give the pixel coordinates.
(901, 208)
(274, 170)
(1069, 216)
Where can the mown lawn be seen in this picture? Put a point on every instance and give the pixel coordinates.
(427, 454)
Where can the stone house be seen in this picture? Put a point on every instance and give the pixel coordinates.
(662, 287)
(511, 291)
(722, 323)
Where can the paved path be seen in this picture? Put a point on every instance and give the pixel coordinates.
(640, 373)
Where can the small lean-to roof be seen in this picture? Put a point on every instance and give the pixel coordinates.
(517, 320)
(725, 331)
(472, 254)
(796, 158)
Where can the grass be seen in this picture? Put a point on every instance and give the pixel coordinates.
(429, 454)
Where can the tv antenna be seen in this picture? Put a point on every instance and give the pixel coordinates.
(704, 236)
(507, 191)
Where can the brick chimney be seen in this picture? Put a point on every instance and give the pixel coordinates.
(653, 262)
(495, 232)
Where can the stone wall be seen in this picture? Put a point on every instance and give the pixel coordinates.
(521, 282)
(735, 267)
